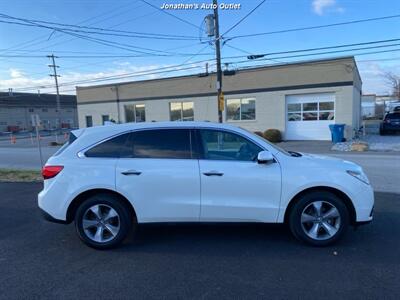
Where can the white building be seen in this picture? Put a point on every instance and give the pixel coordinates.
(300, 99)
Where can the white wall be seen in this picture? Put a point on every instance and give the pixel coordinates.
(270, 109)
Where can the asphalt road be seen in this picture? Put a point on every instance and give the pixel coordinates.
(45, 260)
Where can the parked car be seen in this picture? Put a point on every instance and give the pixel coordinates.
(391, 123)
(110, 179)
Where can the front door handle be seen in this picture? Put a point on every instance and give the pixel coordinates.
(131, 172)
(213, 173)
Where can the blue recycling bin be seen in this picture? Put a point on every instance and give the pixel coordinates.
(337, 132)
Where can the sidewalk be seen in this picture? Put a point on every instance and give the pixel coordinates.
(324, 147)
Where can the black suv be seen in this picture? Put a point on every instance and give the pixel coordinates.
(391, 123)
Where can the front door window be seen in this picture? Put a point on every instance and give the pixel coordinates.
(221, 145)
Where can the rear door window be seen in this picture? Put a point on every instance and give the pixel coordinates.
(162, 143)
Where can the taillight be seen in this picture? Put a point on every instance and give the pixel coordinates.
(51, 171)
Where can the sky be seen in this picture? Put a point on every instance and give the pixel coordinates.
(137, 16)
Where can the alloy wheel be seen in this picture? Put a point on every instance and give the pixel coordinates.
(101, 223)
(320, 220)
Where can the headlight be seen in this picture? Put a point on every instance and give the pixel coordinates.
(359, 175)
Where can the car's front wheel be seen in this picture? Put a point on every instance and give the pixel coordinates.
(103, 221)
(319, 218)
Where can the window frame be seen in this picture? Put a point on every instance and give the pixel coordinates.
(318, 111)
(103, 117)
(181, 109)
(192, 143)
(240, 109)
(134, 112)
(91, 120)
(201, 150)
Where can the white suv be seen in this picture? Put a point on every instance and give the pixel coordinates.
(109, 179)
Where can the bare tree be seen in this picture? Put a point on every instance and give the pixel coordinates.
(393, 81)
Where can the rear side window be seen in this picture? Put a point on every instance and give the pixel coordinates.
(112, 148)
(162, 143)
(71, 139)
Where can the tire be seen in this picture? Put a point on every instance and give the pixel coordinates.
(311, 227)
(103, 221)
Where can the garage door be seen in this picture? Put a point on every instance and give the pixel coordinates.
(308, 116)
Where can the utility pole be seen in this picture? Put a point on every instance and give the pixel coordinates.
(218, 58)
(54, 66)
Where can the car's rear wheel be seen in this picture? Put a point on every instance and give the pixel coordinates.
(103, 221)
(319, 218)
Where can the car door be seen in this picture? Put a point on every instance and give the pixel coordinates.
(161, 176)
(234, 187)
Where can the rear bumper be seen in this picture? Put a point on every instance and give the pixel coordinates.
(358, 224)
(50, 218)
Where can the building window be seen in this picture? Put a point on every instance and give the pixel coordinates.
(240, 109)
(311, 111)
(105, 118)
(135, 113)
(31, 110)
(44, 110)
(89, 121)
(181, 111)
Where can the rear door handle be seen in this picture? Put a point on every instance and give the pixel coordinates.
(213, 173)
(131, 172)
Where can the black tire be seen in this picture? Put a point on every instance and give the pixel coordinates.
(123, 219)
(305, 204)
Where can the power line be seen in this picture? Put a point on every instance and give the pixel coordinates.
(320, 53)
(31, 42)
(125, 75)
(337, 46)
(97, 40)
(244, 18)
(236, 48)
(172, 15)
(314, 27)
(110, 56)
(122, 76)
(65, 29)
(115, 25)
(102, 29)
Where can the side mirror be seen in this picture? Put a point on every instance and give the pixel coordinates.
(265, 157)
